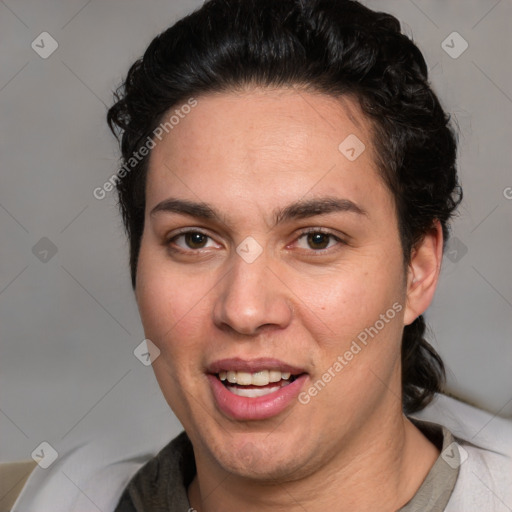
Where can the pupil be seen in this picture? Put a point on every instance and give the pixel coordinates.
(195, 240)
(318, 240)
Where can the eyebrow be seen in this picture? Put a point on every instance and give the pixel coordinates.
(301, 209)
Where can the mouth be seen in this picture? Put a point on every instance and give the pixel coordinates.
(252, 385)
(255, 389)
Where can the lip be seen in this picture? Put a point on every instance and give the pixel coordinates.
(243, 408)
(252, 365)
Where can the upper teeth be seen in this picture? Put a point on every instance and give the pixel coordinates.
(256, 379)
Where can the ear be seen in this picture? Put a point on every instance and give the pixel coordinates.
(423, 273)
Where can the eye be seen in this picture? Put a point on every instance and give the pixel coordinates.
(191, 240)
(317, 240)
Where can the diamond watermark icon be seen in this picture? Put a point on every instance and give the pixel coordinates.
(352, 147)
(249, 249)
(454, 45)
(44, 45)
(45, 455)
(456, 249)
(146, 352)
(44, 250)
(454, 455)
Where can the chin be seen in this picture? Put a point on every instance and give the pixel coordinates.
(259, 457)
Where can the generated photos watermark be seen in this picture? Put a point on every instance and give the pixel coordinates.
(158, 133)
(357, 345)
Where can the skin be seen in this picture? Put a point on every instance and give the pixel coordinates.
(248, 154)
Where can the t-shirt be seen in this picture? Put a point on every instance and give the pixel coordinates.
(161, 484)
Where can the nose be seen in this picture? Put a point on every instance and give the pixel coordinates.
(252, 298)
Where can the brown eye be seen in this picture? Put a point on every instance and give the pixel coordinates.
(318, 240)
(190, 241)
(195, 240)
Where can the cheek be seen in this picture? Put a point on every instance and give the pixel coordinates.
(172, 303)
(346, 302)
(358, 353)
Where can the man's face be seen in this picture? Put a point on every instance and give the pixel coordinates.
(262, 288)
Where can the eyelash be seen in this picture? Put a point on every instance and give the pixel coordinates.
(303, 233)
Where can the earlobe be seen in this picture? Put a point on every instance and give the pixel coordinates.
(423, 273)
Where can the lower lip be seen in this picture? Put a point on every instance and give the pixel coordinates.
(257, 408)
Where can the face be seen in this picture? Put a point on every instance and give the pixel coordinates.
(271, 278)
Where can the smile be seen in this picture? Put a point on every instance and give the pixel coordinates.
(254, 389)
(252, 385)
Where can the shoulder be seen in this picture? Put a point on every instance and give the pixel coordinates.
(484, 442)
(84, 472)
(473, 426)
(96, 462)
(163, 479)
(484, 482)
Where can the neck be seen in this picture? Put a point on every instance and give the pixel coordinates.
(391, 458)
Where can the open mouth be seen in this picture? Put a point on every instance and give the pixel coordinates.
(254, 389)
(252, 385)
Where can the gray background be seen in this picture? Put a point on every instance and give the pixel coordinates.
(69, 325)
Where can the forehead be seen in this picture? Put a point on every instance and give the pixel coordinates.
(285, 143)
(266, 116)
